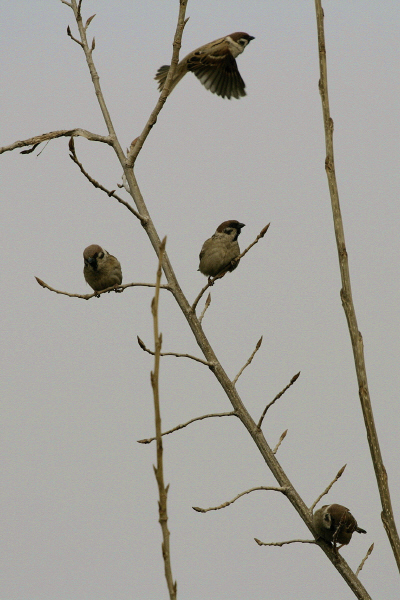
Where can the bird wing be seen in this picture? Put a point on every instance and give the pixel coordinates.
(218, 72)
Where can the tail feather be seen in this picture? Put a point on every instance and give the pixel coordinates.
(161, 76)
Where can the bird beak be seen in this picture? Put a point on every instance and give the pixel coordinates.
(240, 225)
(251, 37)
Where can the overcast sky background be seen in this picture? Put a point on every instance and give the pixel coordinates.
(78, 496)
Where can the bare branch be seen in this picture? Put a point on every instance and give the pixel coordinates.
(284, 543)
(134, 151)
(207, 304)
(225, 504)
(73, 38)
(369, 551)
(96, 184)
(260, 235)
(347, 301)
(159, 470)
(292, 381)
(52, 135)
(118, 289)
(211, 280)
(67, 3)
(338, 475)
(275, 450)
(258, 345)
(200, 360)
(225, 414)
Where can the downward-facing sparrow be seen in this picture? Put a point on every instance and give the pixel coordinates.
(220, 249)
(214, 64)
(333, 518)
(101, 270)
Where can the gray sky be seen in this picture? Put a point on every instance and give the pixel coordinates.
(78, 495)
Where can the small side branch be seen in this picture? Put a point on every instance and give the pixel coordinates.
(284, 543)
(96, 184)
(260, 235)
(207, 304)
(291, 382)
(120, 288)
(136, 148)
(283, 435)
(200, 360)
(338, 475)
(52, 135)
(369, 551)
(258, 345)
(225, 414)
(254, 489)
(211, 280)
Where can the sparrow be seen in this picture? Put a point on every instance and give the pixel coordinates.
(101, 270)
(214, 64)
(220, 249)
(333, 518)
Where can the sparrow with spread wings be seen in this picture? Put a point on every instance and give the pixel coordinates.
(214, 64)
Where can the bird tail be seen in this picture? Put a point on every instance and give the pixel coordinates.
(161, 76)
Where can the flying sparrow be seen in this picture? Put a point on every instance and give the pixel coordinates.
(214, 64)
(101, 270)
(334, 522)
(220, 249)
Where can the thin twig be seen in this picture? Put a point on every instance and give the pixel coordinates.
(120, 288)
(159, 470)
(369, 551)
(136, 148)
(339, 474)
(260, 235)
(275, 450)
(254, 489)
(96, 184)
(200, 360)
(211, 280)
(348, 304)
(284, 543)
(225, 414)
(258, 345)
(207, 304)
(52, 135)
(291, 382)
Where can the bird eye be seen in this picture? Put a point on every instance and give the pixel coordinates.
(242, 42)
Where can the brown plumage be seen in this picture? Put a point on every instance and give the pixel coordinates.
(101, 270)
(335, 521)
(220, 249)
(214, 65)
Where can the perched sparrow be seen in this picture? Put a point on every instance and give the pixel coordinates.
(101, 270)
(214, 64)
(220, 249)
(334, 517)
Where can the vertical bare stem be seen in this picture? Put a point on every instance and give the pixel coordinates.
(347, 300)
(159, 470)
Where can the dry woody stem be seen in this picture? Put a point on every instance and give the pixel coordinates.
(182, 425)
(118, 289)
(229, 502)
(159, 469)
(326, 490)
(291, 382)
(347, 300)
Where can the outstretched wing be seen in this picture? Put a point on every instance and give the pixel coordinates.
(218, 72)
